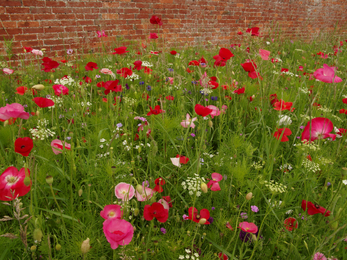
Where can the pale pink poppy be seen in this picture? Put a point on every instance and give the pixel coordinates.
(37, 52)
(145, 195)
(213, 184)
(118, 232)
(111, 211)
(224, 108)
(13, 110)
(171, 80)
(264, 54)
(164, 203)
(7, 71)
(124, 191)
(60, 90)
(176, 161)
(215, 111)
(327, 74)
(320, 129)
(12, 184)
(58, 146)
(248, 227)
(188, 122)
(107, 72)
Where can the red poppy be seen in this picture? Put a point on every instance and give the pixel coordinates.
(147, 70)
(193, 63)
(168, 200)
(282, 105)
(153, 36)
(273, 98)
(213, 84)
(72, 121)
(254, 31)
(183, 159)
(344, 100)
(159, 182)
(91, 66)
(239, 33)
(156, 210)
(196, 217)
(228, 97)
(240, 91)
(43, 102)
(112, 86)
(27, 49)
(290, 224)
(202, 111)
(49, 64)
(285, 131)
(343, 111)
(23, 146)
(120, 50)
(202, 60)
(155, 111)
(145, 96)
(137, 64)
(222, 256)
(87, 79)
(63, 61)
(170, 97)
(342, 132)
(229, 226)
(248, 49)
(21, 90)
(173, 52)
(155, 20)
(125, 72)
(189, 71)
(314, 208)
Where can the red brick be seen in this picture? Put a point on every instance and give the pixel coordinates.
(9, 24)
(55, 3)
(25, 37)
(33, 3)
(59, 10)
(110, 16)
(22, 17)
(41, 10)
(54, 29)
(28, 24)
(17, 10)
(10, 3)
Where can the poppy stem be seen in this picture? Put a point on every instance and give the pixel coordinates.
(20, 127)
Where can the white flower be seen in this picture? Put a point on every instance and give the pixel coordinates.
(344, 182)
(284, 120)
(268, 43)
(289, 212)
(176, 162)
(181, 257)
(102, 146)
(187, 256)
(196, 254)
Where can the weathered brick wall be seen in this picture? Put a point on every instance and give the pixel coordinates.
(59, 25)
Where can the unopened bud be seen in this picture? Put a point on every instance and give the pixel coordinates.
(38, 87)
(6, 123)
(37, 234)
(27, 181)
(139, 188)
(49, 180)
(249, 196)
(136, 212)
(58, 247)
(37, 113)
(33, 248)
(85, 247)
(202, 221)
(139, 149)
(210, 123)
(80, 191)
(204, 187)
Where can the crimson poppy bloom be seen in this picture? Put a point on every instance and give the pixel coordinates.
(313, 209)
(344, 100)
(170, 97)
(43, 102)
(254, 31)
(23, 146)
(147, 70)
(202, 111)
(213, 84)
(282, 105)
(49, 64)
(343, 111)
(91, 66)
(213, 184)
(155, 20)
(153, 36)
(240, 91)
(137, 64)
(156, 210)
(112, 85)
(193, 63)
(223, 256)
(342, 131)
(125, 72)
(173, 52)
(320, 129)
(290, 224)
(183, 159)
(155, 111)
(27, 49)
(285, 131)
(168, 200)
(273, 98)
(87, 79)
(120, 50)
(21, 90)
(201, 217)
(159, 182)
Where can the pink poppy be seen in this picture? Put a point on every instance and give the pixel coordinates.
(320, 129)
(145, 195)
(319, 256)
(118, 232)
(7, 71)
(60, 90)
(153, 36)
(111, 211)
(58, 146)
(164, 203)
(13, 110)
(248, 227)
(37, 52)
(124, 191)
(215, 111)
(327, 74)
(213, 184)
(12, 183)
(188, 122)
(264, 54)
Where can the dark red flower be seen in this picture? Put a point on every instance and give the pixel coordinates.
(137, 64)
(202, 111)
(222, 256)
(342, 132)
(273, 98)
(249, 66)
(156, 210)
(183, 159)
(147, 70)
(91, 66)
(169, 97)
(23, 146)
(113, 86)
(49, 64)
(213, 84)
(343, 111)
(27, 49)
(168, 200)
(120, 50)
(196, 217)
(155, 20)
(344, 100)
(290, 224)
(87, 79)
(313, 209)
(239, 33)
(285, 131)
(193, 63)
(254, 31)
(43, 102)
(145, 96)
(155, 111)
(240, 91)
(159, 182)
(202, 60)
(225, 54)
(125, 72)
(173, 52)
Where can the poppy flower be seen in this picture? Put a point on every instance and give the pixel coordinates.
(87, 79)
(13, 110)
(21, 90)
(282, 105)
(248, 227)
(215, 111)
(12, 183)
(168, 200)
(49, 64)
(124, 191)
(58, 146)
(120, 50)
(125, 72)
(344, 101)
(27, 49)
(264, 54)
(101, 34)
(213, 84)
(153, 36)
(91, 66)
(193, 63)
(286, 132)
(155, 111)
(7, 71)
(240, 91)
(290, 224)
(327, 74)
(155, 20)
(254, 31)
(147, 70)
(60, 90)
(188, 122)
(183, 159)
(313, 209)
(170, 98)
(343, 111)
(111, 211)
(107, 72)
(213, 184)
(202, 111)
(173, 52)
(137, 64)
(341, 131)
(156, 210)
(23, 146)
(111, 85)
(229, 226)
(159, 182)
(239, 33)
(118, 232)
(222, 256)
(43, 102)
(201, 217)
(320, 129)
(145, 195)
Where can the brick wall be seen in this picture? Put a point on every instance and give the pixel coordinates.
(71, 24)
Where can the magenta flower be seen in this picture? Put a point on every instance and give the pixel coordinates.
(7, 71)
(58, 146)
(188, 122)
(118, 232)
(213, 184)
(248, 227)
(320, 129)
(153, 36)
(319, 256)
(111, 211)
(255, 209)
(215, 111)
(60, 90)
(14, 110)
(327, 74)
(124, 191)
(12, 184)
(264, 54)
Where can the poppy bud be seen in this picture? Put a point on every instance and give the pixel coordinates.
(49, 180)
(33, 248)
(58, 247)
(38, 87)
(37, 113)
(27, 181)
(152, 200)
(202, 221)
(136, 212)
(139, 188)
(37, 234)
(203, 187)
(249, 196)
(139, 149)
(85, 247)
(210, 123)
(6, 123)
(80, 192)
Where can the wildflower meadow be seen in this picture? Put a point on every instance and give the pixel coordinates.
(143, 150)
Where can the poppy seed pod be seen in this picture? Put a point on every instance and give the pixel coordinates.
(27, 181)
(210, 123)
(85, 247)
(49, 180)
(38, 87)
(203, 187)
(249, 196)
(80, 191)
(58, 247)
